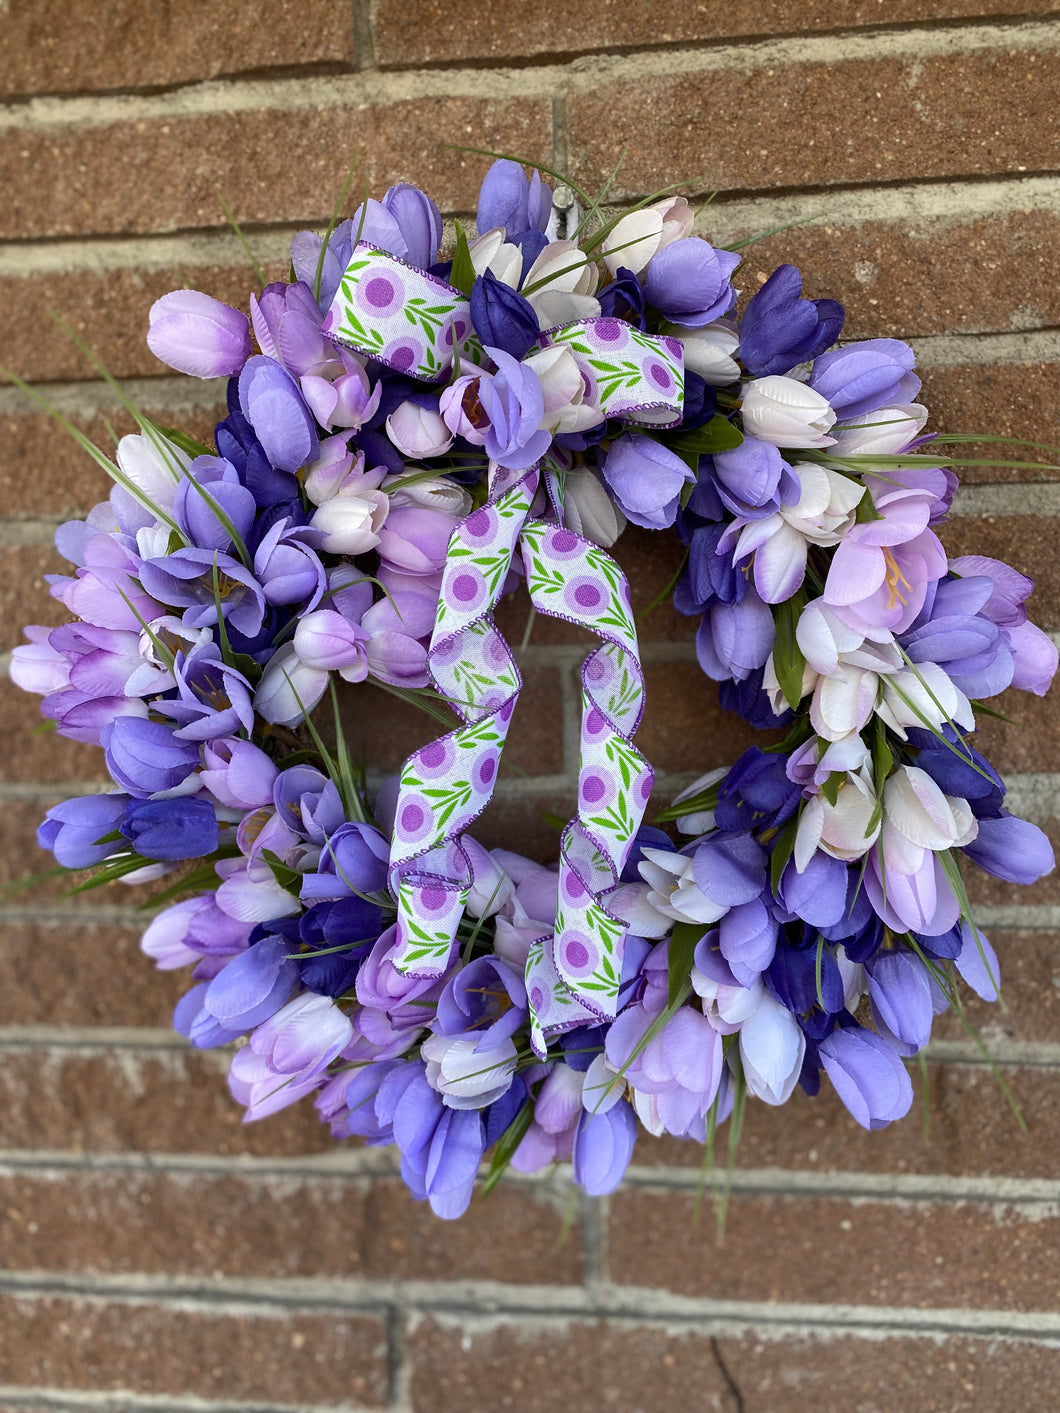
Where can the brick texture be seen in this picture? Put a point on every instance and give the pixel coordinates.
(53, 46)
(160, 1252)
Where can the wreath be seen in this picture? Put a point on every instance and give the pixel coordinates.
(413, 439)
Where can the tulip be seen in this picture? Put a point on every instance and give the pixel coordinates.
(328, 641)
(772, 1047)
(861, 377)
(635, 239)
(786, 412)
(419, 221)
(418, 431)
(588, 510)
(646, 479)
(779, 329)
(198, 335)
(688, 282)
(289, 689)
(271, 402)
(709, 352)
(171, 830)
(603, 1146)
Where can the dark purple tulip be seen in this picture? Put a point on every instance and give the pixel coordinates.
(71, 830)
(864, 376)
(253, 986)
(688, 282)
(624, 299)
(603, 1146)
(868, 1076)
(780, 329)
(900, 995)
(503, 318)
(508, 199)
(170, 830)
(144, 756)
(273, 405)
(1011, 848)
(756, 793)
(792, 979)
(354, 858)
(960, 770)
(197, 334)
(419, 221)
(646, 479)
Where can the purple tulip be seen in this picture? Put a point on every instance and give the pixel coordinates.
(221, 486)
(213, 698)
(144, 756)
(753, 479)
(817, 895)
(779, 329)
(514, 406)
(645, 479)
(252, 987)
(730, 869)
(171, 830)
(237, 773)
(287, 323)
(185, 579)
(1011, 848)
(1034, 658)
(868, 1076)
(273, 405)
(484, 1001)
(688, 282)
(354, 860)
(901, 999)
(419, 221)
(288, 567)
(441, 1148)
(73, 829)
(603, 1146)
(735, 638)
(864, 376)
(510, 201)
(198, 335)
(306, 260)
(977, 963)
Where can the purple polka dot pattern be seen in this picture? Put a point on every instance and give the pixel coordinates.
(576, 972)
(446, 784)
(638, 377)
(399, 315)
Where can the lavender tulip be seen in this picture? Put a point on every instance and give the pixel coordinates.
(510, 201)
(144, 756)
(273, 405)
(862, 377)
(253, 986)
(198, 335)
(646, 479)
(72, 830)
(1011, 848)
(603, 1146)
(418, 220)
(901, 999)
(868, 1076)
(688, 281)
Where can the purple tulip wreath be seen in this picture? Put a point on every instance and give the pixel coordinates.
(408, 439)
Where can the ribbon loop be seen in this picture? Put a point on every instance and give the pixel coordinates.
(401, 316)
(446, 784)
(638, 377)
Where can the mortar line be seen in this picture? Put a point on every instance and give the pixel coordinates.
(543, 80)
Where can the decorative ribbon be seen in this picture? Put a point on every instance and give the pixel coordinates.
(628, 374)
(446, 784)
(401, 316)
(409, 320)
(571, 578)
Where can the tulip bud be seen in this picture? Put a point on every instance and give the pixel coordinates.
(326, 640)
(418, 432)
(198, 335)
(588, 510)
(787, 413)
(289, 689)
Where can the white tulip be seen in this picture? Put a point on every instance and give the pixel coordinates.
(709, 352)
(883, 432)
(787, 413)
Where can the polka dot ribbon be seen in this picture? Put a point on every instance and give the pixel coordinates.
(639, 377)
(446, 784)
(401, 316)
(574, 976)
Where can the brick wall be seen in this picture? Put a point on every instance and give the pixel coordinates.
(159, 1255)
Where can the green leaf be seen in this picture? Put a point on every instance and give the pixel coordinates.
(288, 878)
(830, 788)
(866, 511)
(782, 851)
(788, 661)
(186, 443)
(719, 434)
(462, 275)
(683, 941)
(504, 1148)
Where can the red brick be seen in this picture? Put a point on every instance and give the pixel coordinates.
(272, 166)
(852, 1252)
(145, 1101)
(33, 753)
(1002, 400)
(927, 276)
(833, 1372)
(1030, 741)
(983, 888)
(43, 472)
(971, 1130)
(24, 595)
(279, 1226)
(140, 1347)
(1028, 543)
(22, 858)
(853, 118)
(529, 824)
(108, 311)
(527, 1367)
(1030, 986)
(82, 973)
(425, 33)
(684, 728)
(55, 46)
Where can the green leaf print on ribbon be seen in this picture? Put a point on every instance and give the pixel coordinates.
(577, 973)
(401, 316)
(638, 377)
(446, 784)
